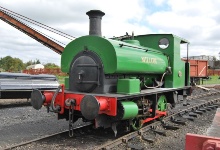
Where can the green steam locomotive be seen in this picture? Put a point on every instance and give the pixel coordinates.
(126, 80)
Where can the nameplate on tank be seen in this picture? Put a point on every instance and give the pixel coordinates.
(149, 60)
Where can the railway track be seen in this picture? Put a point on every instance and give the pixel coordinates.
(46, 137)
(172, 122)
(11, 103)
(5, 106)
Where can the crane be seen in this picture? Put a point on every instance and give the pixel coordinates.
(7, 17)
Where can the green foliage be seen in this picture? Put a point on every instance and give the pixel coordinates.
(61, 79)
(11, 64)
(32, 62)
(37, 61)
(28, 63)
(50, 66)
(16, 65)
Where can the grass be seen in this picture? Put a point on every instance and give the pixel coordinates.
(213, 80)
(61, 79)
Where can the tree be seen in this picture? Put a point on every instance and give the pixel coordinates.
(31, 62)
(214, 58)
(37, 61)
(51, 66)
(11, 64)
(16, 65)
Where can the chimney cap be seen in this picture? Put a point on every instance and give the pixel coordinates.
(95, 13)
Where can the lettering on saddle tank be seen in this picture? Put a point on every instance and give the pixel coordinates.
(149, 60)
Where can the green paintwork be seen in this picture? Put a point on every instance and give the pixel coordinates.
(162, 103)
(116, 59)
(139, 56)
(99, 45)
(149, 80)
(128, 86)
(173, 51)
(134, 42)
(136, 124)
(66, 82)
(130, 110)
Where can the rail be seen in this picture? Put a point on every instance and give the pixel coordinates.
(188, 113)
(45, 137)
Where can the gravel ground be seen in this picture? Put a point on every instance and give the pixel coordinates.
(175, 140)
(25, 123)
(7, 103)
(21, 124)
(88, 140)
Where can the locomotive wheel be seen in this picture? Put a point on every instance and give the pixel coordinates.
(136, 124)
(162, 103)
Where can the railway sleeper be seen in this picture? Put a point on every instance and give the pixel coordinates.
(198, 112)
(170, 127)
(160, 132)
(213, 106)
(208, 109)
(188, 117)
(135, 146)
(192, 114)
(202, 109)
(148, 138)
(178, 121)
(216, 106)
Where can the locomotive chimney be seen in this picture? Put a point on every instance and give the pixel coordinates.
(95, 17)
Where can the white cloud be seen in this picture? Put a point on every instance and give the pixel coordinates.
(192, 20)
(68, 16)
(159, 2)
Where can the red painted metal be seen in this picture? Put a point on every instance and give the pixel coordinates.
(158, 115)
(210, 142)
(59, 100)
(198, 68)
(200, 142)
(108, 105)
(111, 109)
(62, 100)
(103, 104)
(48, 97)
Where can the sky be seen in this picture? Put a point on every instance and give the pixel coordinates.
(197, 21)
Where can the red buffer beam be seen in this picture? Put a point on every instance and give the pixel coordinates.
(32, 33)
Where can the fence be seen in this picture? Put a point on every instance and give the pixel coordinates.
(212, 72)
(54, 71)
